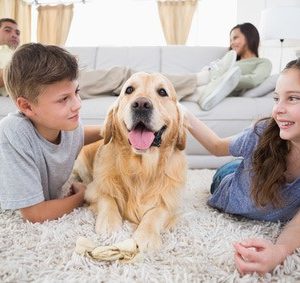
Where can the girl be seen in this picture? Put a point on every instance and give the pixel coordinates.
(264, 183)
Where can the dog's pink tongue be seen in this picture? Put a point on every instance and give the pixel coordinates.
(141, 139)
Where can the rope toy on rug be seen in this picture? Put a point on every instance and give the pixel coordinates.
(125, 251)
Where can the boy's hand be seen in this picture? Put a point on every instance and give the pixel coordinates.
(258, 255)
(78, 188)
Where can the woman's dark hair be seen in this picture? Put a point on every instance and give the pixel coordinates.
(252, 36)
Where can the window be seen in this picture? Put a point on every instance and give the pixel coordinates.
(136, 22)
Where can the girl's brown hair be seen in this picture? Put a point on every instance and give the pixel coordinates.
(269, 161)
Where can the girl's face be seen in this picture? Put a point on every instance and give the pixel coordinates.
(238, 42)
(286, 110)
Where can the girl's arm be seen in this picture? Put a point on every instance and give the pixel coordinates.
(91, 134)
(53, 209)
(262, 256)
(212, 142)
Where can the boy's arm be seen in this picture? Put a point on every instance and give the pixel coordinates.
(212, 142)
(53, 209)
(262, 256)
(92, 133)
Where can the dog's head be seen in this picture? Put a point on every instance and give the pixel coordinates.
(146, 115)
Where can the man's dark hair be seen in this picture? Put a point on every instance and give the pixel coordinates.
(4, 20)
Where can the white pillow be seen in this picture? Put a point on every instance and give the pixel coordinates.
(264, 88)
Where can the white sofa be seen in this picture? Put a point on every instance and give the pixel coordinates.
(228, 118)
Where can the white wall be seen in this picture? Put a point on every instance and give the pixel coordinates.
(250, 11)
(136, 22)
(115, 22)
(212, 22)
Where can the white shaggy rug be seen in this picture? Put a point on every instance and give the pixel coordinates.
(199, 249)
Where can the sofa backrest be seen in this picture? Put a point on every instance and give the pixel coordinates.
(164, 59)
(137, 58)
(86, 56)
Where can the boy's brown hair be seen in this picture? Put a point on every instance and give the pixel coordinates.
(34, 66)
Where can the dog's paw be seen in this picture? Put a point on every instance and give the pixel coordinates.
(147, 241)
(107, 225)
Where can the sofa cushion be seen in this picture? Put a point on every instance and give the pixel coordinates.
(93, 111)
(234, 109)
(264, 88)
(137, 58)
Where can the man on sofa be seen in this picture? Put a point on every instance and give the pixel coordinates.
(9, 41)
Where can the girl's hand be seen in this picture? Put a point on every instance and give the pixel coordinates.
(258, 255)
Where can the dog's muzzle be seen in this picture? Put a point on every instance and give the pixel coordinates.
(141, 135)
(142, 110)
(157, 139)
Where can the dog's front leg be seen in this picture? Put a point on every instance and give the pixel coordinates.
(108, 219)
(147, 234)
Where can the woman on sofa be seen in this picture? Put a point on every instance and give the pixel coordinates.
(251, 70)
(240, 69)
(263, 184)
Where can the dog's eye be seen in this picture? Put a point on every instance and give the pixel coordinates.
(162, 92)
(129, 90)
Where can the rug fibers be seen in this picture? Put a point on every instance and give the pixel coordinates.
(198, 249)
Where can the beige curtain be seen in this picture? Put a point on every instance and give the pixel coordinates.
(176, 18)
(54, 24)
(21, 13)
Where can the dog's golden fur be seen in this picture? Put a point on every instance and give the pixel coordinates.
(140, 185)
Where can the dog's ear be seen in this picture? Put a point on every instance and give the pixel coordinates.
(182, 123)
(108, 129)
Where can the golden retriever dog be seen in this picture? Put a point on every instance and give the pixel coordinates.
(138, 170)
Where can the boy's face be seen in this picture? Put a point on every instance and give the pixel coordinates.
(57, 109)
(9, 35)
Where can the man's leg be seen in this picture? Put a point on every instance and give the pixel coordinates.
(96, 82)
(183, 84)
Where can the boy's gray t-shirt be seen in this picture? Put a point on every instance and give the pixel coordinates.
(31, 168)
(233, 194)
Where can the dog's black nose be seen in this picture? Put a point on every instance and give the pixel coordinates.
(142, 103)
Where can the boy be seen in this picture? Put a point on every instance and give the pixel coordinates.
(39, 143)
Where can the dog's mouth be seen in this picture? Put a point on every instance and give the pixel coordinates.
(142, 138)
